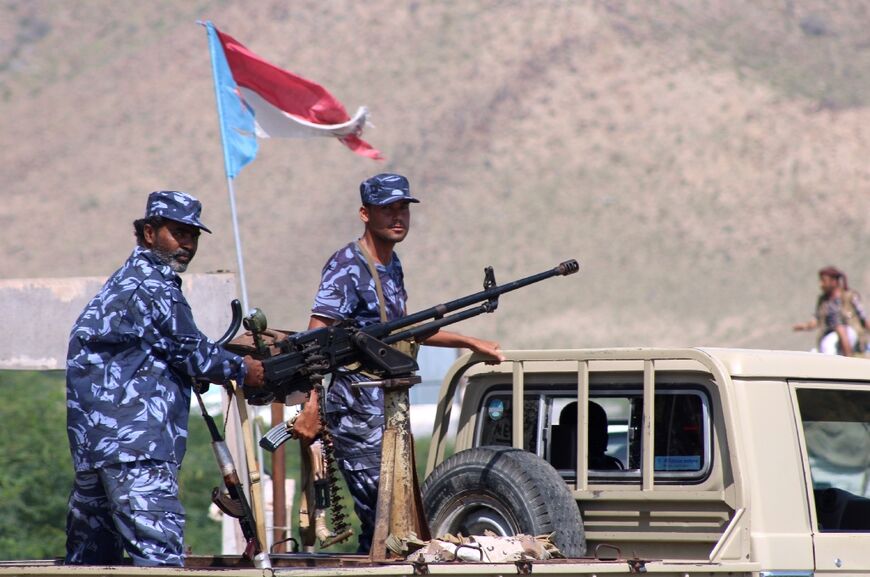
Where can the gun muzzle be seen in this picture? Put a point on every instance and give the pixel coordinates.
(568, 267)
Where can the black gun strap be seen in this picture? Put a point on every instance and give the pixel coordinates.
(373, 270)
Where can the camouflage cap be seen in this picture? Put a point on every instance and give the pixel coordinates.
(385, 188)
(175, 205)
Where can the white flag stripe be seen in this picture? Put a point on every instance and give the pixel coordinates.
(275, 123)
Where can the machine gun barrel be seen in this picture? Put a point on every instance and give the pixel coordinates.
(386, 331)
(306, 356)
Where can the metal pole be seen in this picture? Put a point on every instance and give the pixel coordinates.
(242, 282)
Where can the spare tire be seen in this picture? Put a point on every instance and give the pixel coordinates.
(507, 491)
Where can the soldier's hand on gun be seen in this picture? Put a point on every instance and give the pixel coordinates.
(306, 424)
(254, 376)
(488, 348)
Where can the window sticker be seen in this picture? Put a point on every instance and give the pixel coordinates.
(495, 410)
(678, 463)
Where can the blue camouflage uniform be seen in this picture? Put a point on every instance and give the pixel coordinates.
(132, 354)
(355, 416)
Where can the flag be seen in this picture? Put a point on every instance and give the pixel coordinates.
(258, 99)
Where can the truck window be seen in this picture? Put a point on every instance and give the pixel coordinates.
(679, 435)
(836, 426)
(682, 437)
(608, 434)
(682, 432)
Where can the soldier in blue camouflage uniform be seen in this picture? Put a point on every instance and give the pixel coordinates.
(132, 356)
(355, 416)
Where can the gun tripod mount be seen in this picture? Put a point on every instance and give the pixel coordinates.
(399, 511)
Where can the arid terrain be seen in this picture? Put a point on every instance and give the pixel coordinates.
(701, 159)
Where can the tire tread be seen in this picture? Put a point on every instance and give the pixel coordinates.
(539, 487)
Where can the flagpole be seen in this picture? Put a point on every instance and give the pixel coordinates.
(238, 239)
(239, 146)
(234, 160)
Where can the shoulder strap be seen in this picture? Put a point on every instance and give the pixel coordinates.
(379, 289)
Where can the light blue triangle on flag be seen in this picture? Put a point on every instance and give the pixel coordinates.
(235, 116)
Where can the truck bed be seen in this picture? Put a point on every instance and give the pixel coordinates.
(311, 565)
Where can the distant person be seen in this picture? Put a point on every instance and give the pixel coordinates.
(840, 317)
(363, 281)
(133, 354)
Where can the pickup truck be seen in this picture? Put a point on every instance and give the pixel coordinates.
(679, 462)
(682, 461)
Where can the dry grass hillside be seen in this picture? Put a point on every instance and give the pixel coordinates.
(701, 159)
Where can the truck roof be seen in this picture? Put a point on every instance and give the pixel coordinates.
(791, 364)
(742, 363)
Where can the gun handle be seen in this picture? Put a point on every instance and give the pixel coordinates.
(235, 323)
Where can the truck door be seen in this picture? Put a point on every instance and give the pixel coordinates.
(834, 427)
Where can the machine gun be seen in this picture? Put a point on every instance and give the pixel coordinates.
(297, 360)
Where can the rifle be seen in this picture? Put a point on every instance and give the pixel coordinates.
(230, 498)
(303, 358)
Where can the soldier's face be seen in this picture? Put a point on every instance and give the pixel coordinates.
(390, 223)
(175, 243)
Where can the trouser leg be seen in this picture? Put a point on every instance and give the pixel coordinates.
(146, 510)
(91, 538)
(363, 488)
(830, 343)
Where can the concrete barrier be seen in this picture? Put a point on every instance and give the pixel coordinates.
(36, 315)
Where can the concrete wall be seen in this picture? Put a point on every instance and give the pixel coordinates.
(36, 315)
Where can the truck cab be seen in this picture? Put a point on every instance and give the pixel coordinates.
(754, 460)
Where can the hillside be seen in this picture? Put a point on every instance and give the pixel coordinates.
(701, 159)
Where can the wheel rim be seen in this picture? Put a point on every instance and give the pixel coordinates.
(474, 517)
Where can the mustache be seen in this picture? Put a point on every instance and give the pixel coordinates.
(171, 259)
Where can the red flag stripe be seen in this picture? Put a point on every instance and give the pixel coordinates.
(288, 92)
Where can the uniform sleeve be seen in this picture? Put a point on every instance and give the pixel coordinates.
(187, 349)
(337, 296)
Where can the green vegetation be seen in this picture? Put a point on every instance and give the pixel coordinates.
(37, 474)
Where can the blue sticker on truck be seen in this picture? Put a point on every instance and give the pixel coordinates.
(495, 410)
(678, 463)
